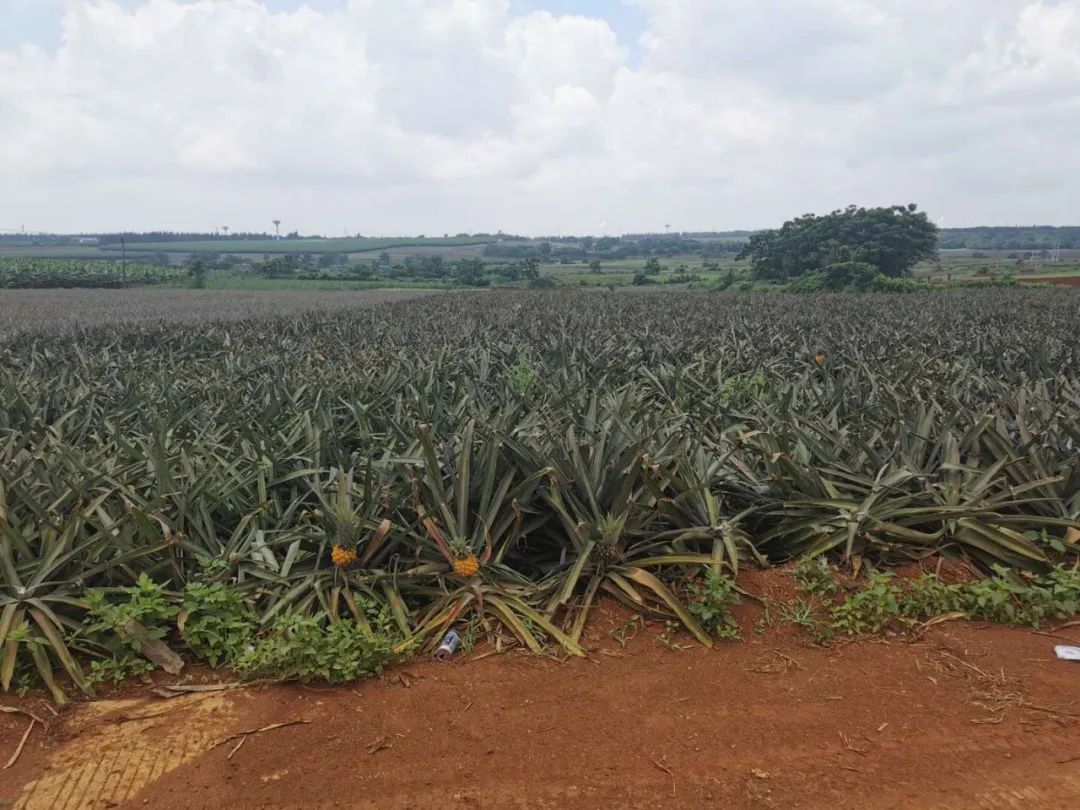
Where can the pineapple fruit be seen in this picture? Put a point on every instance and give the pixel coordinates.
(465, 563)
(609, 533)
(342, 556)
(346, 537)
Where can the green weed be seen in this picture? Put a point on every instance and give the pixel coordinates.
(109, 622)
(711, 602)
(817, 577)
(306, 648)
(885, 601)
(522, 377)
(216, 622)
(629, 629)
(119, 668)
(871, 609)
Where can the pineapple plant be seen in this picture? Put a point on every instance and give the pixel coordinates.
(346, 528)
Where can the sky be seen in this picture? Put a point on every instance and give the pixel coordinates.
(540, 117)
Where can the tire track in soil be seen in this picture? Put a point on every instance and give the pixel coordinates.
(113, 756)
(1021, 769)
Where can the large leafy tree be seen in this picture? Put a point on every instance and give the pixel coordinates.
(892, 239)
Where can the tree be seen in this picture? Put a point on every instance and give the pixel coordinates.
(279, 266)
(531, 269)
(470, 272)
(652, 266)
(198, 274)
(891, 239)
(594, 266)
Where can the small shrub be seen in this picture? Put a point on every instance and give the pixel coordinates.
(927, 596)
(726, 280)
(216, 622)
(306, 648)
(147, 604)
(118, 669)
(805, 613)
(871, 609)
(711, 602)
(742, 390)
(522, 377)
(1006, 599)
(817, 577)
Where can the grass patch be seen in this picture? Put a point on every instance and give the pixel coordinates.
(884, 602)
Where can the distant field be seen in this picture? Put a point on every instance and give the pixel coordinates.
(74, 252)
(296, 245)
(449, 252)
(692, 262)
(960, 265)
(253, 282)
(65, 310)
(1054, 281)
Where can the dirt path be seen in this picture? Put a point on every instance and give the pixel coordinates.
(967, 717)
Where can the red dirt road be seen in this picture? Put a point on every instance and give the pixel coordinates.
(965, 717)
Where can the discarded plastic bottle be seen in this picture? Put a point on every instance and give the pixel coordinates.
(449, 646)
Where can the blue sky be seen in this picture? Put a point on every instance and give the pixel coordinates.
(38, 21)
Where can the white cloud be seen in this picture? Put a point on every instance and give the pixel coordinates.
(446, 115)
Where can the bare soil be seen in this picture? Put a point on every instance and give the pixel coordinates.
(963, 716)
(1056, 281)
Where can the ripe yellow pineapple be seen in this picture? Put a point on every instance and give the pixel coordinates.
(466, 566)
(465, 562)
(342, 557)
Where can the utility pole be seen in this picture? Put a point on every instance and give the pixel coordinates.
(123, 259)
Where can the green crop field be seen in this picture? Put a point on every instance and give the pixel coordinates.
(34, 272)
(320, 485)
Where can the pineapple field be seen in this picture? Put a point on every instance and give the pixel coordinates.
(316, 495)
